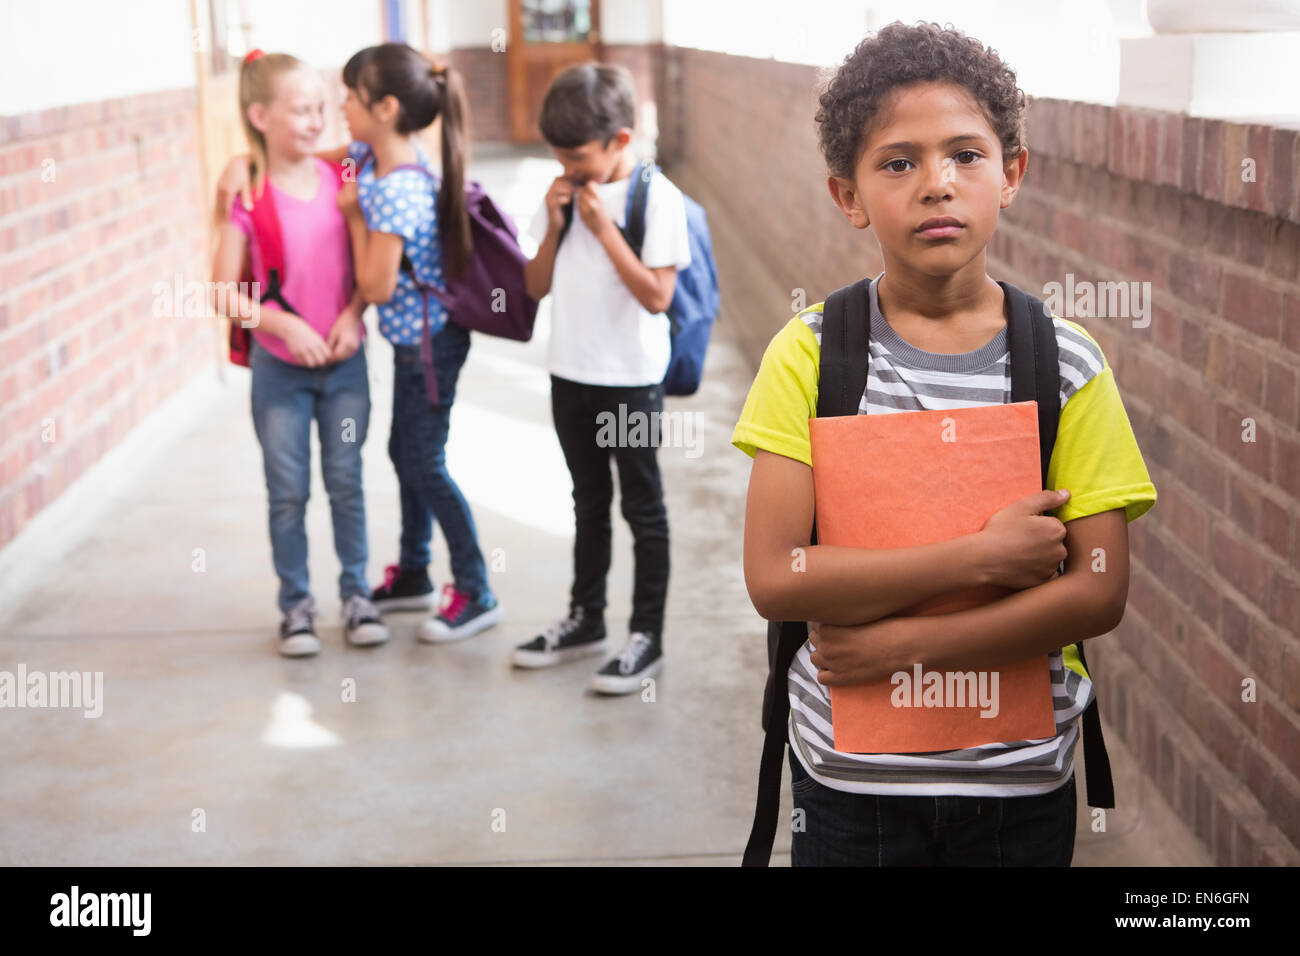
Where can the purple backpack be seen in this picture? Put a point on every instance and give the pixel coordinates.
(490, 296)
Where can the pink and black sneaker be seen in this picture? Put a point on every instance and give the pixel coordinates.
(404, 589)
(460, 617)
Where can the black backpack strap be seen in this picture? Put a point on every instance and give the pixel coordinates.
(275, 292)
(1033, 349)
(1035, 375)
(568, 221)
(842, 378)
(846, 333)
(784, 638)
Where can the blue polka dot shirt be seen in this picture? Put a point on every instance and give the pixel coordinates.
(403, 204)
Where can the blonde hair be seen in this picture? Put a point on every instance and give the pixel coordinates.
(257, 79)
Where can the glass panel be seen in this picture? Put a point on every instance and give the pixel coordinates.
(556, 21)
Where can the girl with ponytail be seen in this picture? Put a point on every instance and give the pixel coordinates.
(410, 229)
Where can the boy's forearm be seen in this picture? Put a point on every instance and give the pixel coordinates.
(539, 270)
(1028, 623)
(849, 586)
(639, 280)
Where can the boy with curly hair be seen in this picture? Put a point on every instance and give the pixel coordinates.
(921, 130)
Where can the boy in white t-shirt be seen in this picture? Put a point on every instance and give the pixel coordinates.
(608, 355)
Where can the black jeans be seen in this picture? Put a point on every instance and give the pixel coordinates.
(837, 828)
(593, 422)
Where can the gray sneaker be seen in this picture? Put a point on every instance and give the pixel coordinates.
(362, 624)
(297, 630)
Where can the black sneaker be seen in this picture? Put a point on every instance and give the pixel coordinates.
(579, 635)
(297, 630)
(404, 589)
(642, 657)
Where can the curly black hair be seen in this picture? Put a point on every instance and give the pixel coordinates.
(899, 55)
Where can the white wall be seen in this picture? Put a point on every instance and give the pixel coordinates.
(1064, 48)
(469, 23)
(465, 23)
(632, 21)
(57, 52)
(322, 32)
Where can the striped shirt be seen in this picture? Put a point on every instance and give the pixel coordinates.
(902, 378)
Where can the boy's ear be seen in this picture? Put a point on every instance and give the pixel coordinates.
(1013, 174)
(846, 196)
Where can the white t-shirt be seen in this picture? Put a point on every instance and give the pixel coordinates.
(600, 334)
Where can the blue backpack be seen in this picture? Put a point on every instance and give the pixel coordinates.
(695, 299)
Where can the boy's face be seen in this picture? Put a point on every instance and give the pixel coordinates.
(593, 161)
(930, 180)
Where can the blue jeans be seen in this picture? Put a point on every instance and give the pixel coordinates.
(417, 447)
(286, 398)
(859, 829)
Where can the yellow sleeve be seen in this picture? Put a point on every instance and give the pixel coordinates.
(1096, 456)
(783, 396)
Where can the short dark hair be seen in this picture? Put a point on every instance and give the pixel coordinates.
(898, 56)
(586, 102)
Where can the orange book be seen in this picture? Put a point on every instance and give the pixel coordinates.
(912, 478)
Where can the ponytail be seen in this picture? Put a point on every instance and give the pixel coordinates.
(453, 211)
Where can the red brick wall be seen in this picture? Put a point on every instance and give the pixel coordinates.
(1111, 194)
(79, 257)
(1215, 593)
(487, 88)
(645, 61)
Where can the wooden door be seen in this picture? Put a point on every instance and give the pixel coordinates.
(545, 37)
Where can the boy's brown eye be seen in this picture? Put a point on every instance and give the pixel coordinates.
(893, 167)
(967, 152)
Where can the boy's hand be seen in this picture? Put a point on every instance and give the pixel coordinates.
(1023, 545)
(861, 654)
(345, 335)
(591, 209)
(557, 197)
(348, 202)
(304, 343)
(234, 182)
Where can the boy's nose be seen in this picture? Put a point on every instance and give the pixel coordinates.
(939, 178)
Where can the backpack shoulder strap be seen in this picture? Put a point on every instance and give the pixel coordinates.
(846, 336)
(638, 191)
(1035, 373)
(270, 245)
(634, 212)
(842, 378)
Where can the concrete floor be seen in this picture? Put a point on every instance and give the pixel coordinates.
(442, 745)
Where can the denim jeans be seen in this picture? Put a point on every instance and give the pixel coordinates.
(286, 399)
(417, 447)
(858, 829)
(575, 408)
